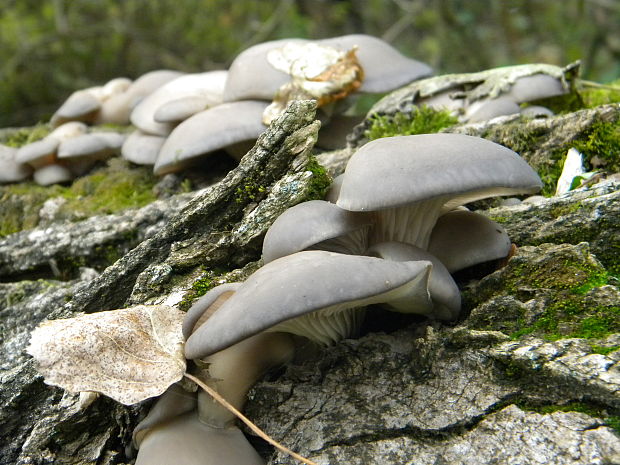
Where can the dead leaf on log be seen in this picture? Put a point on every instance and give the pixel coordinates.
(129, 354)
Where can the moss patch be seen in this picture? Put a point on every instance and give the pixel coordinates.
(580, 407)
(320, 182)
(214, 277)
(563, 288)
(594, 95)
(109, 189)
(24, 136)
(422, 120)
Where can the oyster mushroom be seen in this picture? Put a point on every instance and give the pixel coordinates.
(252, 77)
(314, 294)
(141, 148)
(442, 288)
(221, 127)
(82, 152)
(43, 152)
(10, 169)
(54, 173)
(209, 86)
(461, 239)
(316, 224)
(188, 441)
(409, 181)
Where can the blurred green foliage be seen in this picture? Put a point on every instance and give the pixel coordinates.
(49, 48)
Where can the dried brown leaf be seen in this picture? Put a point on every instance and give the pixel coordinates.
(129, 354)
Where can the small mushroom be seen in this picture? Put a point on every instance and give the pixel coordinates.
(12, 170)
(141, 148)
(487, 109)
(82, 105)
(82, 152)
(43, 152)
(216, 128)
(536, 111)
(52, 174)
(408, 181)
(443, 290)
(209, 85)
(313, 294)
(461, 239)
(39, 153)
(116, 108)
(325, 227)
(177, 110)
(536, 86)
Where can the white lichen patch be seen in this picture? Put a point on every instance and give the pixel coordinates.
(129, 354)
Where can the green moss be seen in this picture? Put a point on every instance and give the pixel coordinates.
(613, 421)
(109, 189)
(594, 94)
(320, 182)
(208, 280)
(25, 136)
(603, 350)
(603, 142)
(592, 410)
(563, 284)
(423, 120)
(560, 104)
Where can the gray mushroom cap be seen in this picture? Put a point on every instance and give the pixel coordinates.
(213, 129)
(52, 174)
(487, 109)
(12, 170)
(209, 85)
(309, 225)
(205, 303)
(251, 76)
(82, 105)
(385, 68)
(461, 239)
(408, 181)
(180, 109)
(93, 145)
(186, 440)
(410, 169)
(536, 111)
(536, 86)
(300, 284)
(39, 153)
(141, 148)
(443, 290)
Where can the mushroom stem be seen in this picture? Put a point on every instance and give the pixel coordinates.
(411, 224)
(185, 440)
(233, 371)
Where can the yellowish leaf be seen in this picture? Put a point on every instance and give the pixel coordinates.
(129, 354)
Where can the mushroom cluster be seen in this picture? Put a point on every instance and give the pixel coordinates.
(179, 118)
(392, 236)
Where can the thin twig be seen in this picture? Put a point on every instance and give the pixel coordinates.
(597, 85)
(247, 421)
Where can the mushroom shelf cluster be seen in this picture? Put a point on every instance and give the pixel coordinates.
(179, 117)
(392, 235)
